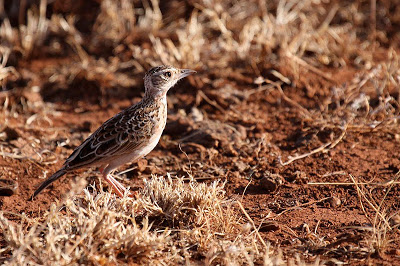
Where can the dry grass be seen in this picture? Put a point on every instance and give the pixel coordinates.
(6, 72)
(378, 235)
(171, 222)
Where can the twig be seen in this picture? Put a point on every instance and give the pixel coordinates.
(292, 159)
(336, 142)
(302, 205)
(190, 172)
(361, 195)
(126, 171)
(310, 67)
(211, 102)
(252, 223)
(384, 184)
(324, 148)
(197, 178)
(394, 181)
(373, 23)
(305, 112)
(325, 25)
(334, 173)
(248, 184)
(13, 155)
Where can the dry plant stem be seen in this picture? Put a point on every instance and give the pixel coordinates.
(373, 24)
(126, 171)
(281, 77)
(302, 205)
(13, 155)
(325, 25)
(334, 173)
(310, 67)
(211, 102)
(245, 188)
(304, 111)
(324, 148)
(252, 223)
(383, 184)
(292, 159)
(384, 123)
(6, 71)
(391, 184)
(361, 196)
(336, 142)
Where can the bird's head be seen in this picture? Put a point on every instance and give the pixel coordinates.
(160, 79)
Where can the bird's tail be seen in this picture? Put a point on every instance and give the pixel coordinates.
(48, 181)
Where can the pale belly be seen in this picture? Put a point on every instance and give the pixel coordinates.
(151, 144)
(147, 147)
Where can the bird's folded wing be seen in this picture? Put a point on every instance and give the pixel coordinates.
(116, 137)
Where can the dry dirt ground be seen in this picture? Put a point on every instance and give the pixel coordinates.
(299, 116)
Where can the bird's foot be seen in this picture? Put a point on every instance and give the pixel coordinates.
(119, 189)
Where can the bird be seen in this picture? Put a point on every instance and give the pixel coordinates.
(127, 136)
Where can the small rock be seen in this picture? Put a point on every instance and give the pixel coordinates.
(271, 182)
(10, 134)
(8, 187)
(300, 175)
(269, 226)
(242, 131)
(246, 228)
(196, 115)
(335, 202)
(395, 220)
(142, 164)
(241, 166)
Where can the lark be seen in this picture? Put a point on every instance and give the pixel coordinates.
(129, 135)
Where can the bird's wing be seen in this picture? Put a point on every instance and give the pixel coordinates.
(119, 135)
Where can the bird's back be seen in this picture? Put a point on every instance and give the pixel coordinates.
(132, 129)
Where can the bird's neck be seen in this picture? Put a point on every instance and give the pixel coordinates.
(150, 95)
(158, 99)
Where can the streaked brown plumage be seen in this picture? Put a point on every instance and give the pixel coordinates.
(129, 135)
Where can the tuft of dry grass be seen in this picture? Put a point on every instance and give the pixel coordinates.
(6, 72)
(170, 222)
(383, 227)
(115, 21)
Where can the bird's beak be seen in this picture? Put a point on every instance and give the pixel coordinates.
(185, 73)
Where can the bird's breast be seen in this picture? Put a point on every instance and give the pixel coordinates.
(159, 119)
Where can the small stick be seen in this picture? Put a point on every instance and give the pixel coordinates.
(292, 159)
(361, 195)
(324, 148)
(252, 223)
(310, 67)
(211, 102)
(384, 184)
(302, 205)
(306, 113)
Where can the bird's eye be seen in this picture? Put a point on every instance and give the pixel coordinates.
(168, 74)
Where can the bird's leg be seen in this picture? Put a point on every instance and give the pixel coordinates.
(117, 186)
(101, 169)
